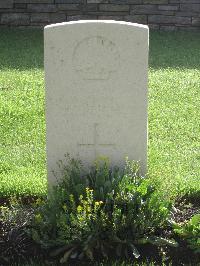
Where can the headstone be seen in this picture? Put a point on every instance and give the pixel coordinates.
(96, 92)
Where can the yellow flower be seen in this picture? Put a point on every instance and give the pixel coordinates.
(97, 203)
(79, 208)
(88, 209)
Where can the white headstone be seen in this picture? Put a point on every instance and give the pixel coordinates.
(96, 92)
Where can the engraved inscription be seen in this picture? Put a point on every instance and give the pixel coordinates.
(95, 145)
(95, 58)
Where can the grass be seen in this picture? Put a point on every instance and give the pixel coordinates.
(174, 104)
(22, 131)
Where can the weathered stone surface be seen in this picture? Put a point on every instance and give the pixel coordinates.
(57, 17)
(80, 17)
(96, 92)
(107, 13)
(189, 1)
(69, 1)
(111, 7)
(149, 10)
(96, 1)
(40, 17)
(168, 7)
(190, 7)
(142, 19)
(6, 3)
(47, 18)
(153, 26)
(157, 2)
(143, 8)
(174, 1)
(68, 6)
(20, 6)
(41, 8)
(196, 21)
(168, 19)
(90, 7)
(167, 28)
(126, 1)
(184, 14)
(153, 12)
(15, 19)
(111, 18)
(74, 13)
(121, 9)
(34, 1)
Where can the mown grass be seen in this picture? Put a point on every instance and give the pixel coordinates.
(174, 108)
(22, 130)
(174, 104)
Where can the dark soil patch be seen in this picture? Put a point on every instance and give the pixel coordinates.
(185, 208)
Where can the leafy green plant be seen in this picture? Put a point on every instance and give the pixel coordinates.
(104, 213)
(190, 231)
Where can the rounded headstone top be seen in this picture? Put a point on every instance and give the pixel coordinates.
(97, 22)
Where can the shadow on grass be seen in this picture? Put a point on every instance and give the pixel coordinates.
(23, 49)
(174, 50)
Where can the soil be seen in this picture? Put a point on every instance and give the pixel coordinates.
(184, 209)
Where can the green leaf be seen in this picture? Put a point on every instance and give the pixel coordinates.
(141, 241)
(195, 220)
(159, 241)
(143, 188)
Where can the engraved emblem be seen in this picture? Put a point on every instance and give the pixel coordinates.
(95, 58)
(95, 144)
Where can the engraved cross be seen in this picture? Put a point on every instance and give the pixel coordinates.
(96, 143)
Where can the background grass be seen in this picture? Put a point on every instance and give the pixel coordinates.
(22, 121)
(174, 108)
(174, 104)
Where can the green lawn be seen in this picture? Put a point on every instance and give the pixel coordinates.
(174, 107)
(22, 131)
